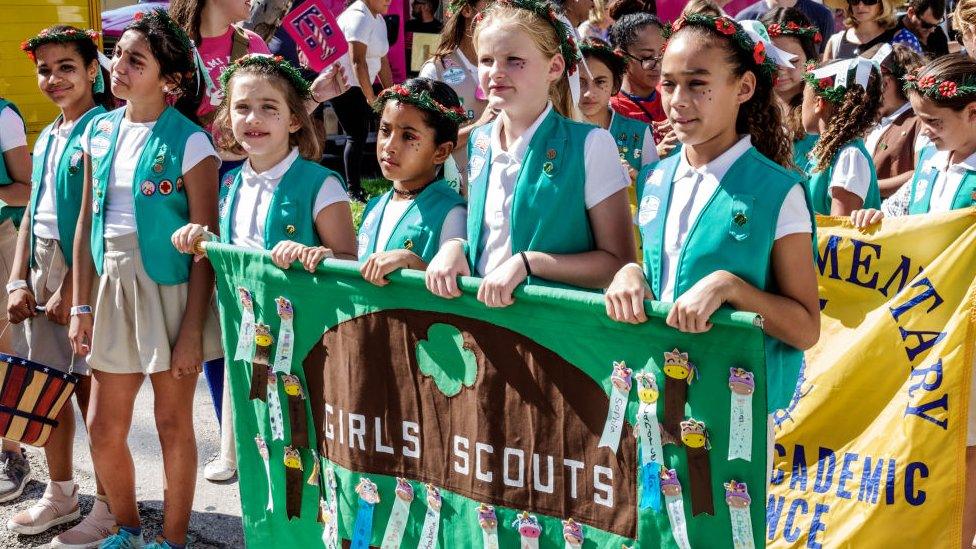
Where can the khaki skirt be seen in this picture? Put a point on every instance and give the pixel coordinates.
(136, 319)
(14, 333)
(47, 342)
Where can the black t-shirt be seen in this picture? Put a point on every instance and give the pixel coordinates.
(418, 25)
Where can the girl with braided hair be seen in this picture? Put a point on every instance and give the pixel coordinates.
(69, 74)
(725, 221)
(404, 228)
(149, 169)
(547, 194)
(840, 104)
(943, 96)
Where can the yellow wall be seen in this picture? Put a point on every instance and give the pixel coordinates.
(19, 20)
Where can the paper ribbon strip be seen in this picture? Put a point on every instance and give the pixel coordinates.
(621, 382)
(695, 437)
(432, 520)
(399, 515)
(737, 496)
(648, 433)
(329, 511)
(293, 482)
(266, 457)
(489, 526)
(274, 408)
(259, 364)
(286, 336)
(743, 385)
(676, 508)
(296, 410)
(529, 530)
(313, 477)
(362, 530)
(679, 373)
(245, 338)
(572, 534)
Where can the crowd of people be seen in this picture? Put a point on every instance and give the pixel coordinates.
(597, 145)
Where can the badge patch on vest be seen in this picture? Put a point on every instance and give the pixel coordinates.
(228, 181)
(549, 168)
(99, 146)
(105, 126)
(165, 187)
(179, 183)
(74, 163)
(290, 229)
(475, 166)
(923, 185)
(148, 188)
(648, 209)
(453, 76)
(482, 143)
(95, 206)
(657, 177)
(363, 242)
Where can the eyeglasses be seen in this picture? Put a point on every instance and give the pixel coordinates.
(865, 2)
(649, 63)
(928, 26)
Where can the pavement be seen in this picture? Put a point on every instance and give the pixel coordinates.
(216, 518)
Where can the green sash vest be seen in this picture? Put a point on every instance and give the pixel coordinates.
(629, 135)
(802, 148)
(548, 207)
(418, 229)
(13, 213)
(818, 186)
(735, 232)
(920, 200)
(160, 201)
(69, 180)
(290, 212)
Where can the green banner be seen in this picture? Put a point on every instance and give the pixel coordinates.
(512, 408)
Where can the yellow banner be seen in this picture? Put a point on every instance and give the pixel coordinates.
(871, 451)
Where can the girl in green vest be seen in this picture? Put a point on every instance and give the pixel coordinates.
(148, 171)
(68, 73)
(840, 104)
(791, 31)
(547, 195)
(943, 96)
(403, 228)
(725, 222)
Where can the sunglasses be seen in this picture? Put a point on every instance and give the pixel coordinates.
(928, 26)
(865, 2)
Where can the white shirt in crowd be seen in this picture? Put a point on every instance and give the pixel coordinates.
(691, 191)
(358, 24)
(120, 216)
(944, 187)
(254, 198)
(454, 225)
(12, 133)
(852, 171)
(604, 177)
(45, 222)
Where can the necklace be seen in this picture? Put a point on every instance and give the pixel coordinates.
(410, 194)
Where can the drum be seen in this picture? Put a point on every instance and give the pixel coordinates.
(31, 397)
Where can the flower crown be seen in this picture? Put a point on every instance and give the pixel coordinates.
(595, 45)
(160, 15)
(930, 86)
(422, 100)
(547, 11)
(276, 64)
(729, 28)
(824, 87)
(793, 29)
(455, 6)
(49, 36)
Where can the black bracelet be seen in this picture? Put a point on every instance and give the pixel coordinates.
(525, 260)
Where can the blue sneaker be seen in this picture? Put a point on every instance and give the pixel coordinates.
(161, 543)
(122, 539)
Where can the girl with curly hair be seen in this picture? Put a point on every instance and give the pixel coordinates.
(725, 221)
(840, 104)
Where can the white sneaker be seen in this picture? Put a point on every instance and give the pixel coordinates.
(219, 470)
(90, 532)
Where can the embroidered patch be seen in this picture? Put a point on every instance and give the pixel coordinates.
(105, 126)
(482, 143)
(648, 209)
(657, 177)
(148, 188)
(408, 244)
(95, 206)
(290, 229)
(99, 146)
(362, 242)
(548, 168)
(74, 163)
(179, 183)
(453, 76)
(165, 187)
(475, 166)
(551, 154)
(923, 185)
(228, 181)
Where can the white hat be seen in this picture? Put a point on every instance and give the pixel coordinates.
(757, 31)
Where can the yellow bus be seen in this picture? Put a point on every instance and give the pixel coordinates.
(19, 20)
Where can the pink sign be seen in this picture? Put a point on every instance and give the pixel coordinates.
(316, 34)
